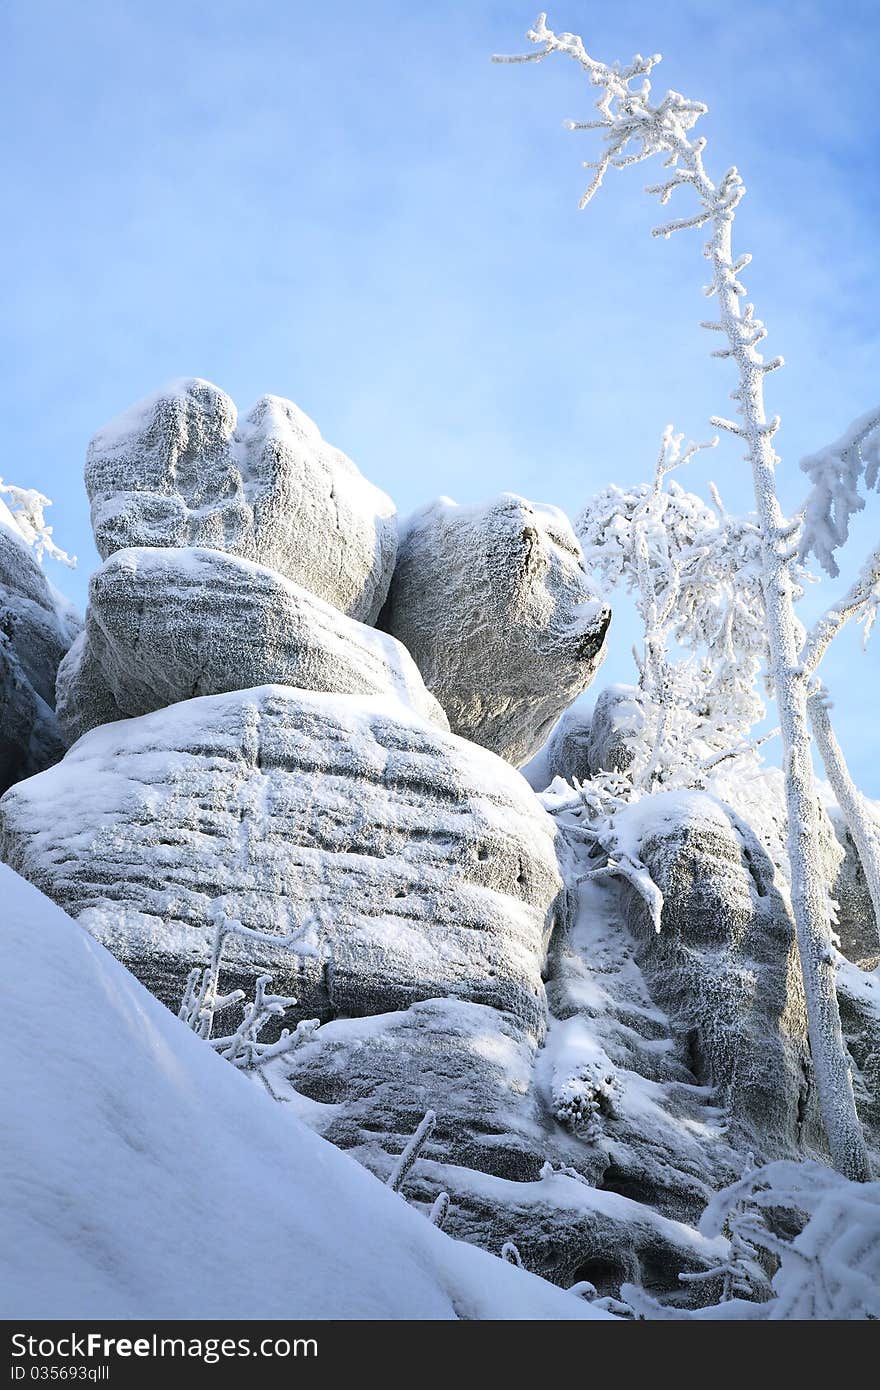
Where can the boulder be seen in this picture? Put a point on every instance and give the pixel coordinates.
(618, 733)
(567, 753)
(496, 607)
(179, 469)
(384, 860)
(36, 629)
(724, 966)
(856, 923)
(164, 625)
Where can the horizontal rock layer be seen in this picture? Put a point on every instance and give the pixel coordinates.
(164, 625)
(387, 861)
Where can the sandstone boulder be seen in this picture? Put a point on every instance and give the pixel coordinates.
(385, 860)
(165, 625)
(496, 607)
(724, 966)
(180, 469)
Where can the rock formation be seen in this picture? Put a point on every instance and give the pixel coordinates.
(179, 469)
(164, 625)
(494, 603)
(248, 747)
(390, 860)
(36, 629)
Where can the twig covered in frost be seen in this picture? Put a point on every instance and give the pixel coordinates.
(634, 129)
(510, 1254)
(439, 1210)
(399, 1173)
(829, 1270)
(740, 1273)
(202, 1001)
(201, 998)
(860, 602)
(27, 507)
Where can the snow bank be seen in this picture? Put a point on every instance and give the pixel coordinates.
(143, 1177)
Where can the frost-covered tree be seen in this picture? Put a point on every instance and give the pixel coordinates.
(695, 573)
(842, 474)
(828, 1270)
(636, 128)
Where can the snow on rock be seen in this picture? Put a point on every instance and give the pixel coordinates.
(372, 1079)
(617, 1073)
(856, 924)
(164, 625)
(36, 628)
(496, 607)
(392, 861)
(567, 751)
(126, 1140)
(180, 469)
(570, 1230)
(858, 995)
(618, 732)
(607, 739)
(724, 964)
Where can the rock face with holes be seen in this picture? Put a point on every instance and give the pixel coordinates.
(724, 966)
(165, 625)
(180, 469)
(36, 629)
(495, 605)
(386, 860)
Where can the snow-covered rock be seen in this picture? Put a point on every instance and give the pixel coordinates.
(607, 739)
(858, 995)
(127, 1139)
(495, 605)
(724, 964)
(567, 751)
(856, 923)
(164, 625)
(36, 629)
(389, 860)
(180, 469)
(365, 1084)
(617, 729)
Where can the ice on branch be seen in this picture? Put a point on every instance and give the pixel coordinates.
(399, 1173)
(202, 1001)
(829, 1270)
(25, 508)
(696, 573)
(840, 474)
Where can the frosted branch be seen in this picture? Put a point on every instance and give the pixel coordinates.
(27, 508)
(860, 599)
(838, 473)
(401, 1169)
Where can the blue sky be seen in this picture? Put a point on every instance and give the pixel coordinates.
(347, 204)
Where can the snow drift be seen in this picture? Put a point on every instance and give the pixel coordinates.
(143, 1177)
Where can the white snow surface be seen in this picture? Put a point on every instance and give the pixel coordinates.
(143, 1177)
